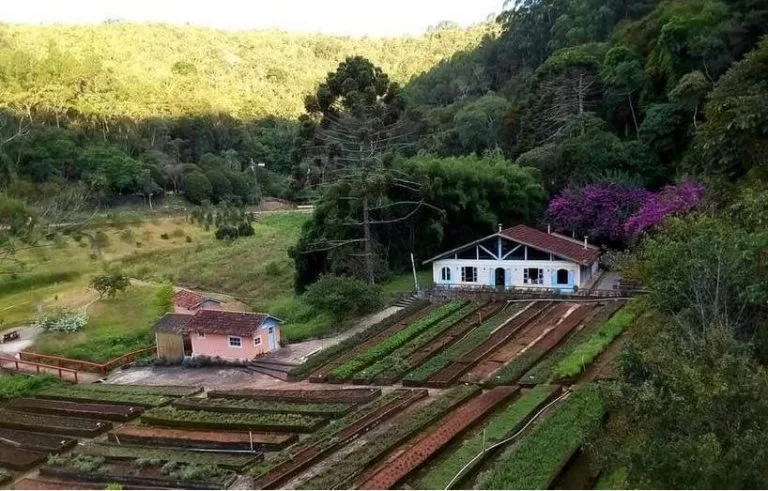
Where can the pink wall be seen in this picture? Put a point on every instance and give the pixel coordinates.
(218, 345)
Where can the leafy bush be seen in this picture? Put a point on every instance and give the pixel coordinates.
(88, 463)
(227, 232)
(164, 236)
(343, 297)
(164, 298)
(63, 320)
(110, 283)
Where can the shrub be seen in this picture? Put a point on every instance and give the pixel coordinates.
(245, 229)
(110, 284)
(177, 232)
(343, 297)
(19, 385)
(272, 268)
(164, 236)
(116, 486)
(227, 232)
(164, 298)
(127, 236)
(197, 188)
(63, 320)
(188, 239)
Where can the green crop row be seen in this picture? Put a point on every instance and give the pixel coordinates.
(509, 373)
(126, 452)
(544, 451)
(331, 409)
(577, 361)
(83, 393)
(341, 473)
(235, 421)
(397, 359)
(501, 424)
(542, 371)
(452, 353)
(155, 390)
(322, 357)
(348, 369)
(326, 437)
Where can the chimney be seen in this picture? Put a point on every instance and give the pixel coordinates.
(499, 227)
(585, 242)
(549, 229)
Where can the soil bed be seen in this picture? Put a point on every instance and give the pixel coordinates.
(27, 483)
(111, 412)
(348, 396)
(219, 440)
(78, 394)
(17, 459)
(41, 442)
(282, 422)
(220, 405)
(118, 453)
(62, 425)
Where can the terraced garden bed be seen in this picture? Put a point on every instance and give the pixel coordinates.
(120, 453)
(421, 448)
(541, 373)
(353, 347)
(157, 390)
(395, 361)
(220, 405)
(17, 459)
(280, 422)
(221, 440)
(509, 373)
(395, 340)
(42, 484)
(111, 412)
(463, 454)
(297, 458)
(454, 370)
(344, 472)
(548, 447)
(81, 394)
(345, 396)
(40, 442)
(61, 425)
(171, 475)
(447, 356)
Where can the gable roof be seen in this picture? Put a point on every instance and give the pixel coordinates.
(213, 322)
(557, 244)
(188, 299)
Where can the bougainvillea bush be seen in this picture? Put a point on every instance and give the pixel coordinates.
(617, 214)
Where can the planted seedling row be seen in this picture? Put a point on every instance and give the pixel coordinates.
(120, 453)
(220, 405)
(214, 440)
(157, 390)
(111, 412)
(62, 425)
(82, 394)
(341, 396)
(286, 422)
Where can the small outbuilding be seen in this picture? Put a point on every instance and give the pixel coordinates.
(231, 336)
(189, 302)
(518, 257)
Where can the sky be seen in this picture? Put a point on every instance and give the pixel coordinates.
(345, 17)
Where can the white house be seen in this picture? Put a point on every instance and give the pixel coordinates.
(518, 257)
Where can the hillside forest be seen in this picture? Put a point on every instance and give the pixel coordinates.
(642, 125)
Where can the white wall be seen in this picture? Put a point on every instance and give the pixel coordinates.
(486, 271)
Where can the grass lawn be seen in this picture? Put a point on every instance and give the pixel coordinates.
(404, 283)
(115, 326)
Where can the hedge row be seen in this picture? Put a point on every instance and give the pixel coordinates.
(340, 475)
(348, 369)
(232, 421)
(500, 425)
(473, 339)
(544, 451)
(334, 410)
(83, 393)
(322, 357)
(397, 359)
(542, 372)
(585, 353)
(235, 462)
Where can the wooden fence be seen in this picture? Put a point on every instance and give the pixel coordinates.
(39, 368)
(86, 366)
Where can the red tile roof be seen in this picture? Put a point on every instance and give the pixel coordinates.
(554, 243)
(212, 322)
(187, 299)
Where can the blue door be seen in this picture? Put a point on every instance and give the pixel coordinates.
(272, 338)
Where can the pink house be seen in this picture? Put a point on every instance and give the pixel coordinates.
(232, 336)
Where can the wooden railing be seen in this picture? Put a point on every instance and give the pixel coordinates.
(86, 366)
(38, 368)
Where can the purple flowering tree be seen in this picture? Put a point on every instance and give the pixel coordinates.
(598, 211)
(672, 200)
(617, 213)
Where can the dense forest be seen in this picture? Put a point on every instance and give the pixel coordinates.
(641, 124)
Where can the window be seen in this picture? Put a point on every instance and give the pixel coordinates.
(235, 342)
(533, 276)
(445, 274)
(257, 340)
(469, 274)
(200, 334)
(271, 330)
